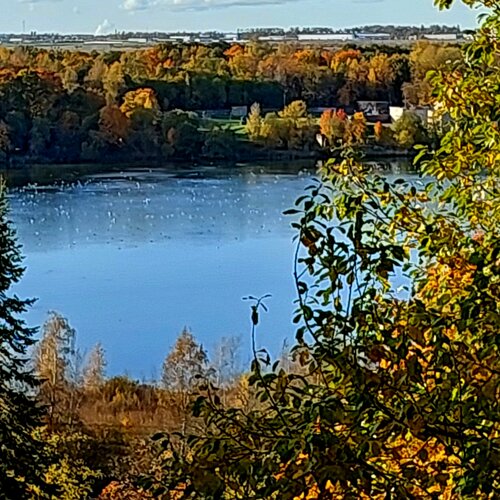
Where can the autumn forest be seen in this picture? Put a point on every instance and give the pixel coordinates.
(174, 101)
(391, 387)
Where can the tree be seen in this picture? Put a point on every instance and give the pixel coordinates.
(402, 400)
(295, 111)
(40, 137)
(220, 143)
(145, 137)
(227, 362)
(97, 73)
(355, 131)
(378, 131)
(21, 465)
(113, 82)
(69, 79)
(94, 372)
(272, 131)
(143, 98)
(333, 125)
(184, 369)
(424, 58)
(185, 364)
(73, 468)
(56, 362)
(181, 131)
(341, 59)
(5, 142)
(409, 130)
(380, 73)
(68, 136)
(254, 122)
(383, 135)
(114, 125)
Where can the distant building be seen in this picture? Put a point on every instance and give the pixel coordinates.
(396, 112)
(103, 42)
(272, 38)
(180, 38)
(230, 37)
(311, 37)
(137, 40)
(375, 110)
(373, 36)
(444, 37)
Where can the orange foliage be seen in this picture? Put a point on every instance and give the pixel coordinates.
(327, 57)
(151, 57)
(343, 57)
(341, 114)
(325, 120)
(234, 50)
(6, 75)
(332, 124)
(122, 491)
(306, 56)
(141, 98)
(168, 63)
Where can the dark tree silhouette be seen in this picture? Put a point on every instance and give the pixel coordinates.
(20, 470)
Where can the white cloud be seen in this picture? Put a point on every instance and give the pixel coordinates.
(104, 28)
(135, 5)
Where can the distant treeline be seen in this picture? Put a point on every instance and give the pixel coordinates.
(395, 31)
(96, 428)
(69, 106)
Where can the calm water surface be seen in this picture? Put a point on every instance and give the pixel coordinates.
(131, 258)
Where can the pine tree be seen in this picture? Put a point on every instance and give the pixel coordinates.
(20, 453)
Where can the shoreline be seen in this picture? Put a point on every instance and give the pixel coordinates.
(39, 172)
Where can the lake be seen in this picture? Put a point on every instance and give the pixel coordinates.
(132, 257)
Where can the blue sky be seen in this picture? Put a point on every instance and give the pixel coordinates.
(166, 15)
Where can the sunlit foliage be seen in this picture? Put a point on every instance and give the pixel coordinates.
(398, 317)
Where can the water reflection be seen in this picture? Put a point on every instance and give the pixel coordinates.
(131, 258)
(139, 207)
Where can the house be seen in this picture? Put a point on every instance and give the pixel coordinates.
(374, 110)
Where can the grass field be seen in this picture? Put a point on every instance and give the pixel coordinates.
(235, 125)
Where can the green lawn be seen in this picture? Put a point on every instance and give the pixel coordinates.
(234, 125)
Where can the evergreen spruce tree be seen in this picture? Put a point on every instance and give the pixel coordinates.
(20, 470)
